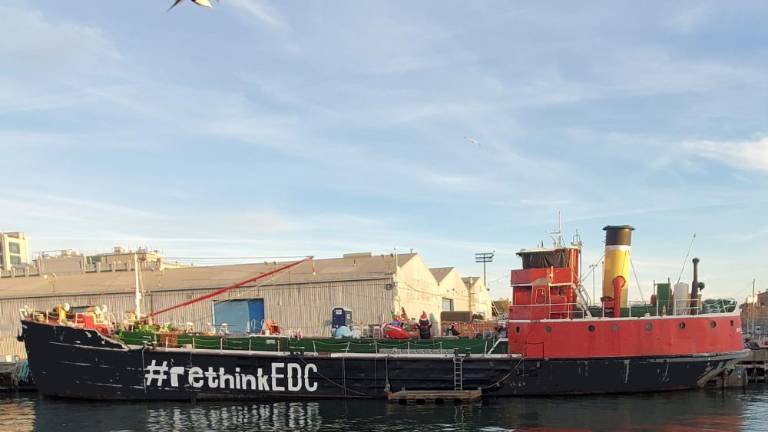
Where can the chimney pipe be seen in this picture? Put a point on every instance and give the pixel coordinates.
(618, 243)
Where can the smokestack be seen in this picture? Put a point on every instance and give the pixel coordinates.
(618, 242)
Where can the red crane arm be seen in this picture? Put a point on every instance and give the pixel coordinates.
(231, 287)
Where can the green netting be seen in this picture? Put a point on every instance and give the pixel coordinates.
(324, 345)
(637, 311)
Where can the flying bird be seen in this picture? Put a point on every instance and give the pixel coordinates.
(472, 141)
(204, 3)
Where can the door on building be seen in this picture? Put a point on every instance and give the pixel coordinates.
(447, 304)
(241, 316)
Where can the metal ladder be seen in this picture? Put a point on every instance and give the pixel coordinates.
(458, 372)
(377, 332)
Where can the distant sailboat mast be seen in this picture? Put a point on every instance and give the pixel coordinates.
(136, 271)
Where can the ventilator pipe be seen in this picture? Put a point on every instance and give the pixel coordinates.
(618, 285)
(695, 287)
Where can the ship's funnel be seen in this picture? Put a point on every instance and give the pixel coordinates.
(618, 241)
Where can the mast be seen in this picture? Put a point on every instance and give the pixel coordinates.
(751, 325)
(138, 288)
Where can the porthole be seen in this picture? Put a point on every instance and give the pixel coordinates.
(648, 326)
(681, 325)
(713, 324)
(731, 323)
(548, 329)
(591, 328)
(615, 327)
(517, 329)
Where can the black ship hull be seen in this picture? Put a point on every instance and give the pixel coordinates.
(80, 363)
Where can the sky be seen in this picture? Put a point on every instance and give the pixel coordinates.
(265, 128)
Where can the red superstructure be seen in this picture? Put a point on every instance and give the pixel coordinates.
(546, 287)
(549, 319)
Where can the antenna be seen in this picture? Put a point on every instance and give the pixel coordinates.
(576, 241)
(557, 232)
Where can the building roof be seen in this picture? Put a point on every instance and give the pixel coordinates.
(440, 273)
(471, 281)
(351, 268)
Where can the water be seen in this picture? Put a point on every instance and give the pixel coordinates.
(675, 411)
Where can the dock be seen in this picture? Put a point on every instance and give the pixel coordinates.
(751, 370)
(434, 396)
(15, 376)
(755, 366)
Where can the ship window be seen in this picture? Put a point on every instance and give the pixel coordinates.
(681, 325)
(615, 327)
(545, 259)
(649, 326)
(591, 328)
(517, 329)
(548, 329)
(731, 323)
(712, 324)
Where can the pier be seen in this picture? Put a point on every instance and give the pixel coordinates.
(434, 396)
(751, 370)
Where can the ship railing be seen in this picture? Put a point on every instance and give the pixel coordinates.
(39, 315)
(255, 343)
(570, 310)
(25, 313)
(74, 320)
(720, 305)
(642, 306)
(686, 307)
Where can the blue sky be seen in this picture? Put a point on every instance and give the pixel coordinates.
(290, 128)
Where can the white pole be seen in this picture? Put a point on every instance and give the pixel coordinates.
(138, 290)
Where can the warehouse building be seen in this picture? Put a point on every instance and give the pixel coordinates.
(374, 287)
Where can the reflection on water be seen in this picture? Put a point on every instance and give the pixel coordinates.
(276, 416)
(672, 412)
(17, 414)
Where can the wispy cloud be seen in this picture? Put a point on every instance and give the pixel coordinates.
(259, 11)
(335, 127)
(690, 19)
(749, 155)
(52, 43)
(13, 139)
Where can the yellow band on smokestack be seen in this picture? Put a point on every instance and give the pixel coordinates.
(618, 242)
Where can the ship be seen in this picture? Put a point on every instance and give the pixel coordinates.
(558, 342)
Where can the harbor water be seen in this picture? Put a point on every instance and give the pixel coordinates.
(710, 410)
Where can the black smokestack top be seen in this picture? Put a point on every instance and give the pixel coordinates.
(618, 235)
(695, 287)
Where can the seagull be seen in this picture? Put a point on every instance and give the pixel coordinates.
(204, 3)
(472, 141)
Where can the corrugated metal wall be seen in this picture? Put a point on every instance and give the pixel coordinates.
(304, 306)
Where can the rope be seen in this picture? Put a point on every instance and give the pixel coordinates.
(143, 366)
(341, 386)
(637, 281)
(685, 260)
(504, 378)
(592, 267)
